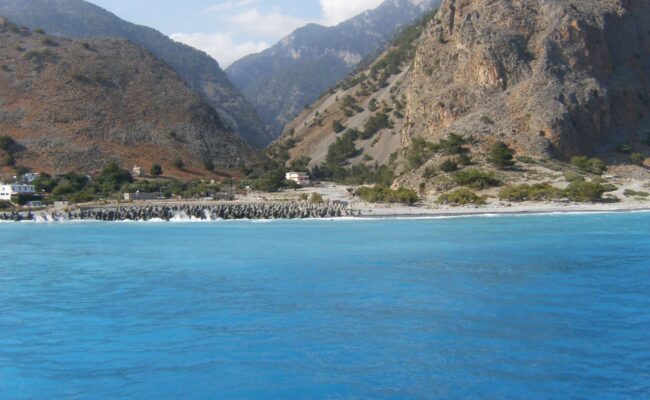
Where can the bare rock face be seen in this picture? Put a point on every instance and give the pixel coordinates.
(549, 77)
(76, 105)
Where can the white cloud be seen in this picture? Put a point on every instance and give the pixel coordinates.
(220, 46)
(336, 11)
(230, 5)
(255, 29)
(273, 24)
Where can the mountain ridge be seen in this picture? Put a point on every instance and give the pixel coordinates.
(81, 19)
(75, 105)
(281, 80)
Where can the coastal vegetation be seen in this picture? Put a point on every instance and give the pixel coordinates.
(475, 178)
(501, 156)
(578, 191)
(591, 165)
(462, 197)
(536, 192)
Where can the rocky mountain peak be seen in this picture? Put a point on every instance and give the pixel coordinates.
(550, 77)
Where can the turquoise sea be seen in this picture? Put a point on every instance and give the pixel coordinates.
(534, 307)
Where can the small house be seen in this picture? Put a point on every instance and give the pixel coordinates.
(301, 178)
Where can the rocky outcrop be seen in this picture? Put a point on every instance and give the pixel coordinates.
(76, 105)
(549, 77)
(188, 212)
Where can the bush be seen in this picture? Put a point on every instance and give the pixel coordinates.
(316, 198)
(342, 149)
(462, 197)
(7, 143)
(337, 126)
(592, 165)
(453, 145)
(208, 165)
(633, 193)
(300, 164)
(586, 191)
(476, 179)
(113, 177)
(384, 194)
(376, 123)
(501, 155)
(537, 192)
(179, 164)
(429, 172)
(270, 181)
(156, 170)
(487, 120)
(419, 153)
(637, 159)
(45, 183)
(6, 159)
(572, 176)
(449, 166)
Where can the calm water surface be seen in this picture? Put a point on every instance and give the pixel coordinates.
(537, 307)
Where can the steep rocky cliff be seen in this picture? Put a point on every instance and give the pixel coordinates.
(81, 19)
(552, 79)
(75, 105)
(549, 77)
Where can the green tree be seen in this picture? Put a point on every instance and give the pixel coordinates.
(342, 149)
(112, 177)
(270, 181)
(208, 165)
(449, 165)
(156, 170)
(337, 126)
(501, 155)
(376, 123)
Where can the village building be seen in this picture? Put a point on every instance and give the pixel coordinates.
(29, 177)
(301, 178)
(137, 171)
(15, 189)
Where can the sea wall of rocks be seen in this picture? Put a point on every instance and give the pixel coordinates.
(188, 212)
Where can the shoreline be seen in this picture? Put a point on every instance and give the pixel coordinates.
(267, 212)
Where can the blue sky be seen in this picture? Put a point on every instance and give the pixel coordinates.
(231, 29)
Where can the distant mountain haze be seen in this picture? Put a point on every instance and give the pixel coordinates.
(81, 19)
(283, 79)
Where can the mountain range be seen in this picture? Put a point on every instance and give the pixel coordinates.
(551, 80)
(81, 19)
(283, 79)
(76, 105)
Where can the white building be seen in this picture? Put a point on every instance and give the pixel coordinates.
(137, 171)
(8, 190)
(301, 178)
(29, 177)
